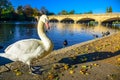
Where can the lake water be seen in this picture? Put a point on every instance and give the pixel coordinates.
(73, 33)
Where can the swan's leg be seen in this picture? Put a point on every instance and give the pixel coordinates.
(34, 69)
(31, 69)
(29, 66)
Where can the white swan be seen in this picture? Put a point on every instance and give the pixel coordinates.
(26, 50)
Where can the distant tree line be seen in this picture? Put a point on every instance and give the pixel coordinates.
(27, 13)
(64, 12)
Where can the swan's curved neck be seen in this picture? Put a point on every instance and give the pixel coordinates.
(41, 32)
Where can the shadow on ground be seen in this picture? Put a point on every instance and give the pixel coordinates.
(88, 57)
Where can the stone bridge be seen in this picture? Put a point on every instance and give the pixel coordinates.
(79, 18)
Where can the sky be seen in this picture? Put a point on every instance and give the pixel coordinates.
(79, 6)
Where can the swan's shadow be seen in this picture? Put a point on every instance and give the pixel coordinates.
(88, 57)
(4, 61)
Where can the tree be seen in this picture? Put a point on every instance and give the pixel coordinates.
(109, 10)
(35, 12)
(72, 12)
(43, 10)
(20, 13)
(90, 12)
(63, 12)
(6, 10)
(4, 4)
(20, 10)
(28, 11)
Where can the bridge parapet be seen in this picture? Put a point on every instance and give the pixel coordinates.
(97, 17)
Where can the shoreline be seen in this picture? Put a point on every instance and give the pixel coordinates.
(83, 43)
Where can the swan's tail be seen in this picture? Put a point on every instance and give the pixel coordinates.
(4, 55)
(7, 56)
(4, 59)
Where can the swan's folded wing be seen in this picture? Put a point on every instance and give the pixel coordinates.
(24, 46)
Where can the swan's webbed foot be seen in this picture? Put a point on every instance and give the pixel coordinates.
(35, 70)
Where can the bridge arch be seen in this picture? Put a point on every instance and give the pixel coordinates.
(54, 20)
(84, 20)
(67, 20)
(110, 21)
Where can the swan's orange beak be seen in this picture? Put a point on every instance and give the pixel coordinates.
(47, 25)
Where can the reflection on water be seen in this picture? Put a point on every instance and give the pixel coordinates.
(78, 28)
(73, 33)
